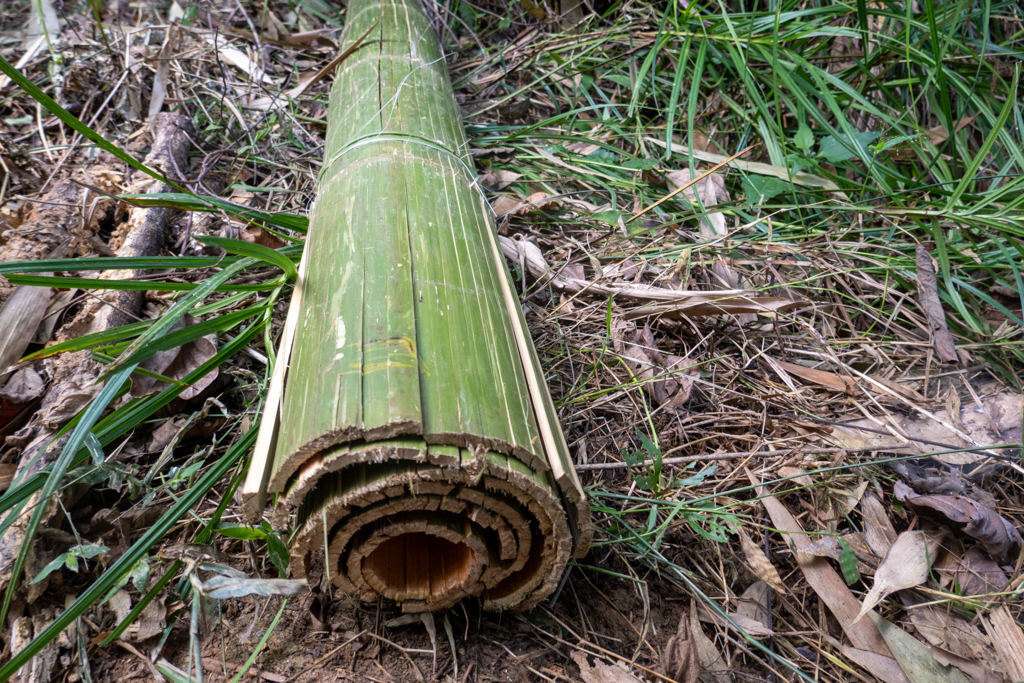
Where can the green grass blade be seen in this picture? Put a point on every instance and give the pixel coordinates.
(60, 466)
(139, 549)
(113, 263)
(257, 251)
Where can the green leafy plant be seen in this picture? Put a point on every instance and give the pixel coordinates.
(649, 477)
(276, 548)
(84, 551)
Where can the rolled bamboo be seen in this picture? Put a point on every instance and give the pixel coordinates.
(408, 425)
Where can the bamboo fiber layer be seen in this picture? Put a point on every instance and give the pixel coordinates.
(408, 424)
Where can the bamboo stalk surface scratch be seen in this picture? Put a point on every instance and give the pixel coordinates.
(414, 424)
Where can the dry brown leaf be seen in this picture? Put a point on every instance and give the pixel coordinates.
(153, 620)
(163, 434)
(499, 180)
(257, 235)
(823, 378)
(846, 383)
(538, 201)
(640, 352)
(946, 630)
(997, 535)
(881, 667)
(23, 387)
(680, 660)
(1004, 427)
(759, 562)
(565, 305)
(978, 574)
(669, 302)
(938, 134)
(711, 189)
(825, 546)
(74, 394)
(176, 363)
(740, 624)
(977, 671)
(1008, 640)
(601, 672)
(829, 546)
(905, 565)
(847, 500)
(753, 605)
(915, 658)
(867, 559)
(712, 663)
(121, 604)
(878, 530)
(904, 391)
(822, 578)
(504, 203)
(928, 295)
(799, 475)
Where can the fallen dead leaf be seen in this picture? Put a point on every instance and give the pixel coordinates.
(878, 530)
(176, 363)
(915, 658)
(997, 535)
(799, 475)
(928, 295)
(121, 604)
(538, 201)
(499, 180)
(938, 134)
(712, 662)
(942, 628)
(23, 387)
(906, 565)
(640, 352)
(880, 666)
(977, 573)
(759, 562)
(753, 605)
(601, 672)
(822, 578)
(740, 624)
(153, 620)
(711, 190)
(669, 302)
(680, 660)
(257, 235)
(504, 203)
(977, 671)
(1004, 427)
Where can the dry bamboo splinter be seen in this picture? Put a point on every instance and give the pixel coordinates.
(408, 425)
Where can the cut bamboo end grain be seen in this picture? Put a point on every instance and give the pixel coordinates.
(408, 426)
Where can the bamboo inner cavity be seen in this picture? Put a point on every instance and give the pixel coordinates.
(418, 566)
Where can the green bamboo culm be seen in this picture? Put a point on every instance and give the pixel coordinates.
(412, 432)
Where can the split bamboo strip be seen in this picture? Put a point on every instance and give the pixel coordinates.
(408, 426)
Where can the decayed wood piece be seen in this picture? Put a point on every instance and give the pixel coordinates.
(19, 318)
(1008, 637)
(73, 376)
(408, 421)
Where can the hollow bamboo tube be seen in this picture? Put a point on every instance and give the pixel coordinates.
(409, 427)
